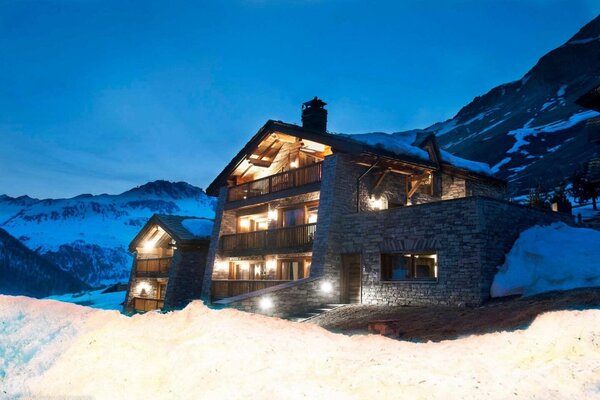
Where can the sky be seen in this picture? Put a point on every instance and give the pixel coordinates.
(101, 96)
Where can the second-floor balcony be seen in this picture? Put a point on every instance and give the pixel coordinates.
(298, 237)
(276, 183)
(153, 266)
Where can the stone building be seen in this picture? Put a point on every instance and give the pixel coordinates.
(306, 217)
(169, 261)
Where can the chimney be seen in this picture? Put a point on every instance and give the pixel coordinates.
(314, 115)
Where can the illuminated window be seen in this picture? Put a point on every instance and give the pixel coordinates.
(413, 266)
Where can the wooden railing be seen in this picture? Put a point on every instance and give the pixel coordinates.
(153, 266)
(145, 304)
(294, 236)
(222, 289)
(275, 183)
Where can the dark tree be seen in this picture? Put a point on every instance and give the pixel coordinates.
(582, 189)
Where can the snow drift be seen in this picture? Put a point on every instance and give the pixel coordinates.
(555, 257)
(51, 349)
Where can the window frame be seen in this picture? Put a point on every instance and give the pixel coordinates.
(388, 275)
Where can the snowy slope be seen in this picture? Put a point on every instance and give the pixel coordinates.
(530, 131)
(88, 235)
(51, 349)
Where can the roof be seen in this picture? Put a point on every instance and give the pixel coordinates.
(353, 144)
(590, 99)
(178, 227)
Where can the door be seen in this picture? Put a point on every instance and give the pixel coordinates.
(350, 285)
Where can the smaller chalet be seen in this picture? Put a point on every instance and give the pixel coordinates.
(169, 260)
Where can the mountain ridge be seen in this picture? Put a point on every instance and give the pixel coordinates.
(87, 235)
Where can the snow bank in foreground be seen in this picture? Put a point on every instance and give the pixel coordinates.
(94, 299)
(555, 257)
(56, 349)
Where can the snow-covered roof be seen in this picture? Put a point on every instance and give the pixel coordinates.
(180, 228)
(406, 143)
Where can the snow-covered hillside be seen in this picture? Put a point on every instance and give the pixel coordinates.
(54, 349)
(531, 131)
(88, 235)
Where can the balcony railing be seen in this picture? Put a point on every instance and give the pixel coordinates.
(275, 183)
(222, 289)
(272, 239)
(153, 266)
(145, 304)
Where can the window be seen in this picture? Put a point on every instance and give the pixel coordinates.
(293, 269)
(413, 266)
(161, 290)
(293, 217)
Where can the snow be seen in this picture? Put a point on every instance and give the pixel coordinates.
(54, 350)
(522, 134)
(95, 299)
(582, 41)
(198, 227)
(475, 166)
(555, 257)
(504, 161)
(401, 143)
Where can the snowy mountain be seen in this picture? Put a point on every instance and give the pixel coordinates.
(530, 131)
(25, 272)
(88, 235)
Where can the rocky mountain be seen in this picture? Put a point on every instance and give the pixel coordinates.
(25, 272)
(88, 235)
(531, 131)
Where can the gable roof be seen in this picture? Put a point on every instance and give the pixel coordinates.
(370, 144)
(175, 226)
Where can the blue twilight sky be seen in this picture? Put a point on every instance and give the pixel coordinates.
(100, 96)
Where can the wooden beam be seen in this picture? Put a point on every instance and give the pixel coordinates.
(414, 188)
(380, 179)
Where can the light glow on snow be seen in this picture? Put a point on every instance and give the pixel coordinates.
(555, 257)
(53, 349)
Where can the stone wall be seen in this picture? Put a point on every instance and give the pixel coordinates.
(475, 188)
(287, 299)
(186, 276)
(470, 236)
(453, 187)
(218, 229)
(448, 228)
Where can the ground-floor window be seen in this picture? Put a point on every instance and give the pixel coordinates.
(405, 266)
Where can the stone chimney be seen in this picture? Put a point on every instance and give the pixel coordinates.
(314, 115)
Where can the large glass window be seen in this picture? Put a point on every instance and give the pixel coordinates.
(293, 217)
(414, 266)
(293, 269)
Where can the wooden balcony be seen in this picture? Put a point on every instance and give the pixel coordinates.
(298, 237)
(222, 289)
(276, 183)
(155, 267)
(146, 304)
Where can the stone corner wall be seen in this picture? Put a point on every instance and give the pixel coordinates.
(289, 300)
(213, 248)
(186, 277)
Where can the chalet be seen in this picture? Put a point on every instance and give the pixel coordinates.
(169, 260)
(306, 217)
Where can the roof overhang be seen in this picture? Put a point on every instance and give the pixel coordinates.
(338, 143)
